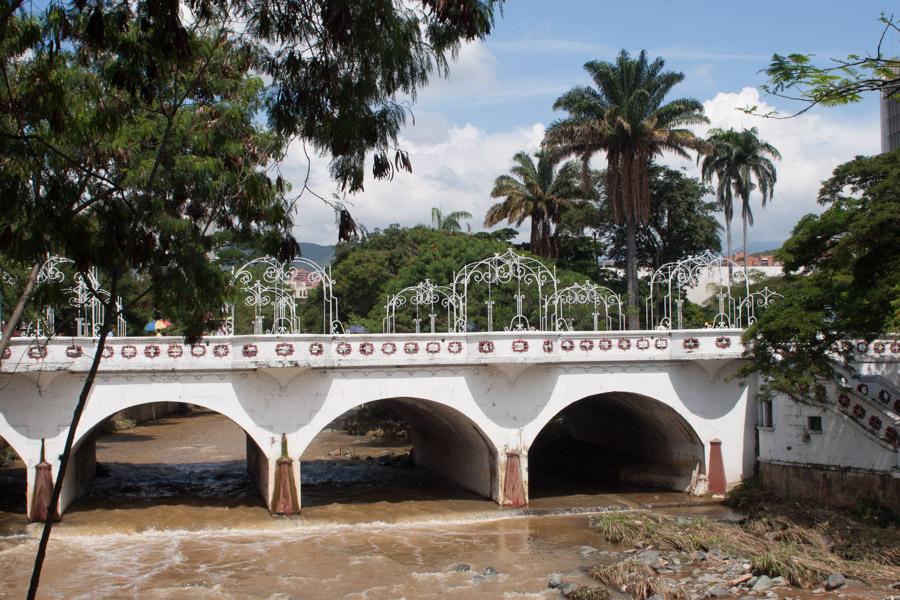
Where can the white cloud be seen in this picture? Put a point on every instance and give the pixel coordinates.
(453, 168)
(811, 146)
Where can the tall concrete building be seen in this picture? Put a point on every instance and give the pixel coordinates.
(890, 118)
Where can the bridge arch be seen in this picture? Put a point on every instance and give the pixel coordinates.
(618, 438)
(452, 441)
(104, 402)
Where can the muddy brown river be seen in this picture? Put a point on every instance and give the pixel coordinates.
(173, 515)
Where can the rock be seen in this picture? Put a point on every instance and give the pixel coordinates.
(460, 568)
(478, 579)
(778, 580)
(747, 598)
(762, 584)
(655, 597)
(751, 582)
(717, 553)
(648, 557)
(834, 581)
(699, 556)
(717, 592)
(567, 588)
(489, 571)
(555, 581)
(585, 550)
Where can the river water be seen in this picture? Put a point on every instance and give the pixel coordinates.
(173, 515)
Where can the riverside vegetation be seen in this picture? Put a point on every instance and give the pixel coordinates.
(777, 543)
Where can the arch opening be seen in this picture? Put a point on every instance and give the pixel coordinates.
(162, 453)
(614, 442)
(13, 489)
(395, 450)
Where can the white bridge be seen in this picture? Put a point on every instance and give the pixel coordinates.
(664, 399)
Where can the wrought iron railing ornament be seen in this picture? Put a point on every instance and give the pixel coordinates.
(670, 282)
(755, 301)
(523, 272)
(86, 296)
(606, 306)
(426, 299)
(270, 285)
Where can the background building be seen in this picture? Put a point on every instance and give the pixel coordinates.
(890, 117)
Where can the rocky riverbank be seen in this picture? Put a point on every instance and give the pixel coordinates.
(779, 550)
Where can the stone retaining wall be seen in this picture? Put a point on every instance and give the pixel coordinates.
(843, 488)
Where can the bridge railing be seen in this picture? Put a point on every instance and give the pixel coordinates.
(508, 292)
(251, 352)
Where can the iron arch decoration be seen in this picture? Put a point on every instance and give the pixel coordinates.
(427, 300)
(606, 307)
(669, 285)
(531, 280)
(753, 303)
(86, 295)
(270, 285)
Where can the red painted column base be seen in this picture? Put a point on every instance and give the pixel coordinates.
(513, 488)
(40, 495)
(284, 500)
(715, 473)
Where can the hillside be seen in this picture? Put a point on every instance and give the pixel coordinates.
(317, 252)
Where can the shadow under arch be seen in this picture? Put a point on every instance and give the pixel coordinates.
(444, 440)
(614, 441)
(13, 486)
(110, 471)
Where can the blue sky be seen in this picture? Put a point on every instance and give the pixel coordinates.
(500, 93)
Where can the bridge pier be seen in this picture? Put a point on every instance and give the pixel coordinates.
(276, 478)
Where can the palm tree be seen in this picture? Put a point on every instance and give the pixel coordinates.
(449, 222)
(535, 191)
(736, 158)
(625, 116)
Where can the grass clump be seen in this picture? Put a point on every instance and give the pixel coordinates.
(636, 578)
(7, 456)
(117, 424)
(797, 565)
(588, 593)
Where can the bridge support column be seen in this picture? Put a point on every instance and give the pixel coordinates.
(276, 478)
(514, 483)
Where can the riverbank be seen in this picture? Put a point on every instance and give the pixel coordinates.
(777, 549)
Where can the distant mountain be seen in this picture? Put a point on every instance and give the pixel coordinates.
(317, 253)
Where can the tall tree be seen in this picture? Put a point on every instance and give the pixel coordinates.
(681, 222)
(341, 98)
(741, 162)
(625, 116)
(449, 222)
(842, 280)
(536, 191)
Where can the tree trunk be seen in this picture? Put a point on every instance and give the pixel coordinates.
(108, 318)
(728, 250)
(634, 309)
(536, 235)
(17, 312)
(746, 226)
